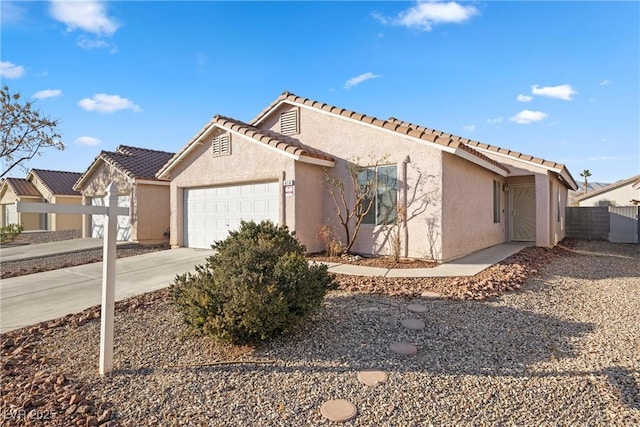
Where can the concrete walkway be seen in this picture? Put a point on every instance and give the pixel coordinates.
(34, 298)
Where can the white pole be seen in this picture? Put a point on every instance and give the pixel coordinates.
(108, 281)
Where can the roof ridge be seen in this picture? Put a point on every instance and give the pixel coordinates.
(140, 148)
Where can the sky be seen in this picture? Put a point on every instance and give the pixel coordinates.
(558, 80)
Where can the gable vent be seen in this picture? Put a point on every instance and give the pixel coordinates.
(289, 122)
(221, 145)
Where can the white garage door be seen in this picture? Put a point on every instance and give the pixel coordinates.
(124, 222)
(210, 213)
(10, 214)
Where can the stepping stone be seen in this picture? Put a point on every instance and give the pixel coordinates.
(338, 410)
(414, 324)
(417, 308)
(430, 295)
(372, 378)
(404, 348)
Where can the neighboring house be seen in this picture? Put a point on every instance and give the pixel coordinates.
(625, 192)
(15, 190)
(459, 195)
(133, 170)
(57, 187)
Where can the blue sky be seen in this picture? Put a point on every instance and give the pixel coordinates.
(558, 80)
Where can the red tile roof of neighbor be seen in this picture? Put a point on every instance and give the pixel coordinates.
(274, 139)
(425, 134)
(22, 187)
(135, 162)
(57, 182)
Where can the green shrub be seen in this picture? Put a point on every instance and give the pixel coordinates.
(10, 232)
(256, 286)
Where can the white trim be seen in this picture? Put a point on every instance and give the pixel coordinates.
(149, 182)
(317, 161)
(195, 141)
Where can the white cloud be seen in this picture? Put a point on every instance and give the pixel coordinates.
(87, 43)
(11, 13)
(525, 117)
(424, 15)
(88, 141)
(104, 103)
(524, 98)
(606, 82)
(88, 15)
(495, 120)
(359, 79)
(10, 70)
(469, 128)
(564, 92)
(47, 93)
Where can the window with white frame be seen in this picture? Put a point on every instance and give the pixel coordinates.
(384, 210)
(497, 187)
(221, 145)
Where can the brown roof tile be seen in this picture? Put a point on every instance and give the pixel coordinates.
(274, 139)
(58, 182)
(22, 187)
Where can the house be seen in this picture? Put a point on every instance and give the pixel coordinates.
(133, 169)
(15, 190)
(41, 185)
(625, 192)
(456, 196)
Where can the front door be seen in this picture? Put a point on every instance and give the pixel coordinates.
(523, 213)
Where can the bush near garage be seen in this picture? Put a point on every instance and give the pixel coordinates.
(257, 286)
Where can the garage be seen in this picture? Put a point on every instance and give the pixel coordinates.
(211, 212)
(124, 222)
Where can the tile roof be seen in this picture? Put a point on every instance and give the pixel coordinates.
(274, 139)
(425, 134)
(135, 162)
(57, 182)
(628, 181)
(22, 187)
(281, 142)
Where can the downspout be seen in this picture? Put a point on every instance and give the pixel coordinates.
(405, 190)
(283, 199)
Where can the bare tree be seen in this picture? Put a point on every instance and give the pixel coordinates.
(363, 181)
(25, 131)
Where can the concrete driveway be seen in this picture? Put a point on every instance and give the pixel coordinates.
(35, 298)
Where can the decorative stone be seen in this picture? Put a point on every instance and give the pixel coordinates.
(414, 324)
(430, 295)
(404, 348)
(372, 377)
(338, 410)
(417, 308)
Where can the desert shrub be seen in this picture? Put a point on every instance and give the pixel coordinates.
(256, 286)
(10, 232)
(327, 235)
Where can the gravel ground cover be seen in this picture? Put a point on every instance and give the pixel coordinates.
(562, 350)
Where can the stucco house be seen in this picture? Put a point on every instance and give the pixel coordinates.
(456, 196)
(133, 169)
(15, 190)
(41, 185)
(625, 192)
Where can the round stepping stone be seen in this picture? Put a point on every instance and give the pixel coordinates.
(417, 308)
(414, 324)
(372, 378)
(338, 410)
(404, 348)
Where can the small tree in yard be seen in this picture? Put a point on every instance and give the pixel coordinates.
(25, 131)
(258, 285)
(364, 183)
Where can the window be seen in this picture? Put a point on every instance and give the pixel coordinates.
(221, 145)
(496, 201)
(289, 122)
(385, 190)
(559, 202)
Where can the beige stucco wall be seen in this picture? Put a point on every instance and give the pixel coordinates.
(467, 210)
(249, 162)
(152, 213)
(353, 141)
(59, 222)
(30, 221)
(309, 191)
(620, 196)
(96, 186)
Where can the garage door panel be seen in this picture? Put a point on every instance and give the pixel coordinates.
(210, 213)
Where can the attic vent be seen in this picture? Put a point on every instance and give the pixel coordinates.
(221, 145)
(289, 122)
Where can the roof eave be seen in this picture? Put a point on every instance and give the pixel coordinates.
(480, 162)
